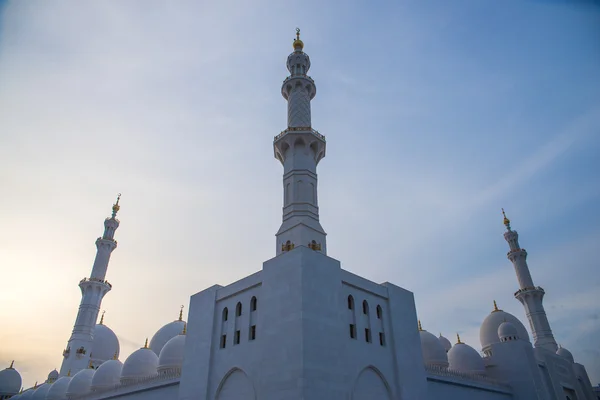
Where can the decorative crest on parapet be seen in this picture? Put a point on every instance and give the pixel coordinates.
(287, 246)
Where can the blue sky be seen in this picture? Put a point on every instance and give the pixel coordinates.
(436, 116)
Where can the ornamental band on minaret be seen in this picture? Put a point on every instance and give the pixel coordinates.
(529, 295)
(77, 354)
(299, 148)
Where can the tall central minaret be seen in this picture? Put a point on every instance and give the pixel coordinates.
(77, 354)
(299, 148)
(529, 295)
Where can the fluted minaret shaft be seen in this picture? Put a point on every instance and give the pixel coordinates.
(299, 148)
(529, 295)
(79, 347)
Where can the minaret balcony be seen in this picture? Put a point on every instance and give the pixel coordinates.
(105, 282)
(299, 129)
(294, 136)
(524, 290)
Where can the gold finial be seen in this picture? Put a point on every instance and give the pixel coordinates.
(116, 207)
(35, 385)
(146, 344)
(458, 338)
(101, 319)
(115, 356)
(90, 364)
(496, 307)
(181, 313)
(69, 373)
(298, 45)
(11, 364)
(506, 220)
(184, 329)
(420, 328)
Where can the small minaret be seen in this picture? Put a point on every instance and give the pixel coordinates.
(77, 354)
(529, 295)
(299, 148)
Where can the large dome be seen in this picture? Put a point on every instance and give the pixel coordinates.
(10, 381)
(464, 358)
(432, 349)
(58, 390)
(81, 382)
(105, 344)
(140, 364)
(164, 334)
(488, 333)
(41, 392)
(171, 355)
(107, 375)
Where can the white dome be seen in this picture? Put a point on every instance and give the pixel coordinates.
(58, 390)
(565, 354)
(81, 382)
(164, 334)
(433, 351)
(507, 331)
(140, 364)
(171, 355)
(10, 381)
(105, 344)
(445, 343)
(41, 392)
(488, 333)
(464, 358)
(27, 394)
(52, 376)
(108, 374)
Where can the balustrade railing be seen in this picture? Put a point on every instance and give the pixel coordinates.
(445, 372)
(95, 280)
(299, 128)
(132, 383)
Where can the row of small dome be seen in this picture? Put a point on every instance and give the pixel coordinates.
(497, 327)
(164, 354)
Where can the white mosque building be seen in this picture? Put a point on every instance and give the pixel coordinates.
(304, 328)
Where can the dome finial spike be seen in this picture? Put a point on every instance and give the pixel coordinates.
(298, 44)
(297, 33)
(102, 318)
(420, 327)
(458, 338)
(181, 313)
(69, 372)
(184, 328)
(115, 356)
(146, 344)
(35, 385)
(11, 364)
(495, 306)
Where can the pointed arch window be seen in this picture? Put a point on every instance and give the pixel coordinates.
(238, 309)
(253, 304)
(225, 314)
(365, 307)
(379, 312)
(350, 302)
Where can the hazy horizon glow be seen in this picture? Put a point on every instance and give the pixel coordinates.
(436, 116)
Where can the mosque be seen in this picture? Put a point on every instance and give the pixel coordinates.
(304, 328)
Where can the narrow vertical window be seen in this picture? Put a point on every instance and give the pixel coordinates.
(365, 308)
(225, 314)
(381, 338)
(236, 338)
(238, 309)
(352, 331)
(253, 304)
(253, 332)
(223, 341)
(367, 335)
(350, 302)
(379, 312)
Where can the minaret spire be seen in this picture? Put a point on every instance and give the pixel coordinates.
(77, 355)
(529, 295)
(299, 148)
